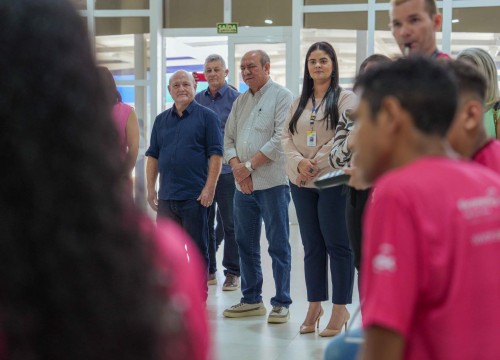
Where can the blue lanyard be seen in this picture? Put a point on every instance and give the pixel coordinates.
(314, 110)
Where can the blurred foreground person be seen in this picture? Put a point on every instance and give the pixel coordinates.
(82, 274)
(432, 227)
(468, 135)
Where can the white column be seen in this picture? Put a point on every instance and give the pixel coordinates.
(227, 11)
(361, 47)
(371, 28)
(293, 65)
(447, 26)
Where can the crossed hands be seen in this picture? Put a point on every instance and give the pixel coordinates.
(308, 170)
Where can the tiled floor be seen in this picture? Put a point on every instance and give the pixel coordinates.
(255, 339)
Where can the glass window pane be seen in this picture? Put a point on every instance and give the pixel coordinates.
(119, 53)
(333, 2)
(197, 13)
(121, 4)
(480, 19)
(255, 12)
(121, 25)
(356, 20)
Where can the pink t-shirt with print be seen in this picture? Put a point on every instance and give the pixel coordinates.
(431, 265)
(489, 155)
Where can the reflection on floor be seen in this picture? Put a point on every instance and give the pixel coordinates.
(255, 339)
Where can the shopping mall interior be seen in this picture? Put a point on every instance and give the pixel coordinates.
(144, 41)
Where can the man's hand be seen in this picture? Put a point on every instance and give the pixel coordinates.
(246, 185)
(308, 168)
(153, 199)
(240, 172)
(207, 196)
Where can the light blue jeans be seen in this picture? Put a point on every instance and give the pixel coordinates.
(270, 205)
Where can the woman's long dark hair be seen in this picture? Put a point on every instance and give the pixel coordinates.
(109, 85)
(331, 96)
(76, 274)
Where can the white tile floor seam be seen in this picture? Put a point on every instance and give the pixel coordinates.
(253, 338)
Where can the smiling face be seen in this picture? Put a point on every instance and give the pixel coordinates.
(215, 73)
(182, 88)
(254, 74)
(413, 27)
(320, 66)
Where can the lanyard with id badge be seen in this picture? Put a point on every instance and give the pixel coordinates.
(311, 134)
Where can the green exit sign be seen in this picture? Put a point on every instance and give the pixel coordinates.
(227, 28)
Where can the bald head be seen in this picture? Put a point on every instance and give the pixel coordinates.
(180, 74)
(182, 88)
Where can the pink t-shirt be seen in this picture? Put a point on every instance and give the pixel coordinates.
(489, 155)
(121, 112)
(431, 265)
(178, 255)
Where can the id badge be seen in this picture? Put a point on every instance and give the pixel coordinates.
(311, 138)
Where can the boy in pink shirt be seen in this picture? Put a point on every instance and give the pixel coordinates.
(467, 134)
(432, 228)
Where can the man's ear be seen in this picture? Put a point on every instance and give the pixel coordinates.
(437, 20)
(473, 112)
(226, 72)
(267, 68)
(391, 113)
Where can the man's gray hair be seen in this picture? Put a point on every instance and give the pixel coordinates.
(264, 58)
(215, 57)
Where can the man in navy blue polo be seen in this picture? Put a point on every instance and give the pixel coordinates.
(186, 151)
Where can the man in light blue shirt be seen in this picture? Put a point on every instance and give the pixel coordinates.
(252, 146)
(219, 97)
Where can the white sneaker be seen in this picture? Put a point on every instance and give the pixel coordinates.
(279, 315)
(244, 310)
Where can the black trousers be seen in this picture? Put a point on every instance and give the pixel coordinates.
(355, 206)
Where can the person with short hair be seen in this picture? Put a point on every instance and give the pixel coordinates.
(467, 134)
(487, 66)
(252, 146)
(186, 151)
(431, 226)
(220, 97)
(414, 24)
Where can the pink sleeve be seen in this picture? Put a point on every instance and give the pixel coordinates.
(390, 267)
(177, 255)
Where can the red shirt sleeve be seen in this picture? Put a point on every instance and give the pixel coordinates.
(390, 266)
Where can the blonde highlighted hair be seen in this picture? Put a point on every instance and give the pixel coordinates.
(486, 65)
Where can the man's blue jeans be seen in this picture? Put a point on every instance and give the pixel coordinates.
(224, 196)
(270, 205)
(192, 217)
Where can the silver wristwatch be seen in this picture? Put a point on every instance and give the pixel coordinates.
(248, 165)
